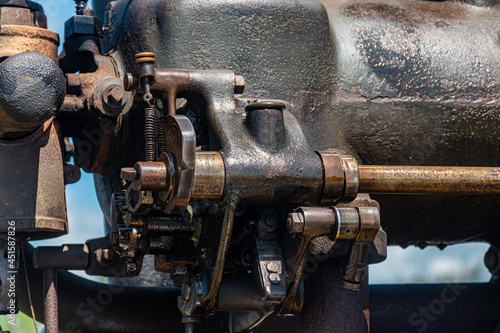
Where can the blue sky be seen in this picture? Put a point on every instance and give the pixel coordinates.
(402, 266)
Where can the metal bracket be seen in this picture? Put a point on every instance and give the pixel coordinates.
(271, 275)
(180, 142)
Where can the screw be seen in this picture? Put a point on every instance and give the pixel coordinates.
(295, 223)
(272, 267)
(274, 278)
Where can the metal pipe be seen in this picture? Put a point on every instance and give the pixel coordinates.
(50, 303)
(429, 180)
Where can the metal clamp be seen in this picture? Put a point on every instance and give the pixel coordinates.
(359, 224)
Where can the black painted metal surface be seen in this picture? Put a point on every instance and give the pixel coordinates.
(330, 308)
(457, 308)
(393, 82)
(419, 84)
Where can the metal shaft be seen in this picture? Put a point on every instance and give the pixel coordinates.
(429, 180)
(50, 300)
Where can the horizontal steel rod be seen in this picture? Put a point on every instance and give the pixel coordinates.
(429, 180)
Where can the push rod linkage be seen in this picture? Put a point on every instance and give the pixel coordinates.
(343, 178)
(429, 180)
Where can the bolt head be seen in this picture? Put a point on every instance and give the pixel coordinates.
(272, 267)
(274, 278)
(131, 267)
(116, 94)
(295, 223)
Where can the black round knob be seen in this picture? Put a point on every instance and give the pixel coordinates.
(32, 89)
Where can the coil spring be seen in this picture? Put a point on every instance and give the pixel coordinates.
(150, 133)
(162, 147)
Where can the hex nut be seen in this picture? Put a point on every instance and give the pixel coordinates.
(272, 267)
(139, 202)
(295, 223)
(110, 98)
(115, 95)
(83, 25)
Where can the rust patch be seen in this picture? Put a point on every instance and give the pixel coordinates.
(15, 39)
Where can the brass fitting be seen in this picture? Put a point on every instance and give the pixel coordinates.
(208, 182)
(340, 178)
(358, 224)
